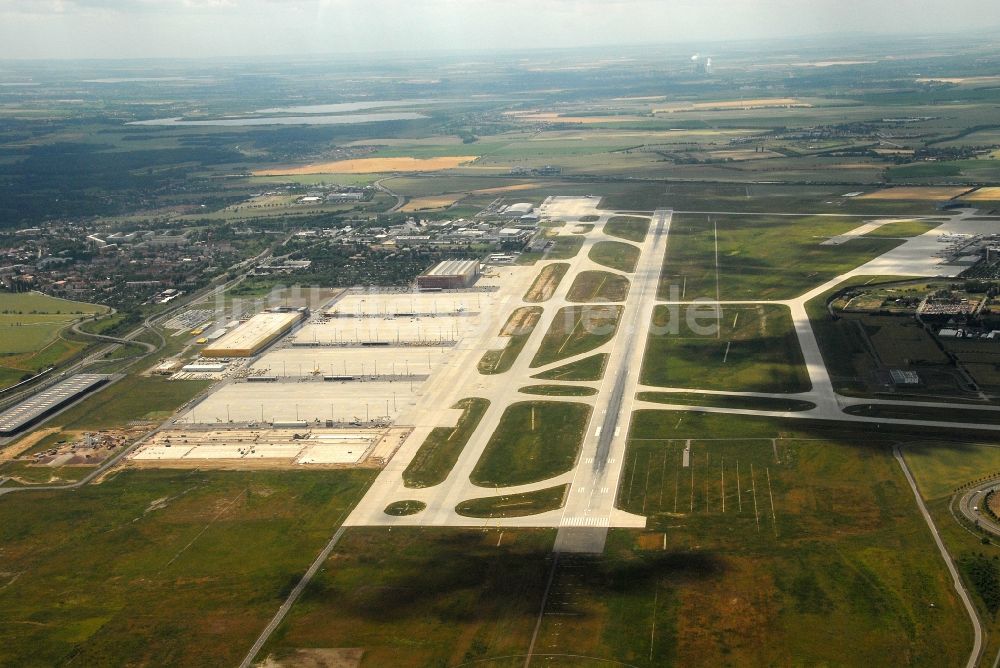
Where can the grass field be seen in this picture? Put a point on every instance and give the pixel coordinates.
(755, 350)
(903, 412)
(160, 567)
(615, 254)
(30, 327)
(598, 286)
(403, 508)
(726, 401)
(534, 441)
(576, 330)
(631, 228)
(373, 166)
(904, 228)
(559, 390)
(519, 327)
(418, 597)
(152, 399)
(847, 580)
(588, 368)
(564, 247)
(442, 447)
(759, 257)
(940, 468)
(515, 505)
(910, 193)
(818, 536)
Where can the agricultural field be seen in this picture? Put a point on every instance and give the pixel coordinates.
(31, 327)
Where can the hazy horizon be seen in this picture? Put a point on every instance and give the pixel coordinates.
(123, 29)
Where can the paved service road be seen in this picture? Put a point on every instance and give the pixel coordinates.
(977, 629)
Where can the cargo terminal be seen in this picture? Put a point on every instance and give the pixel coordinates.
(256, 334)
(47, 402)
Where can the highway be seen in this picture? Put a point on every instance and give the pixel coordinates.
(972, 502)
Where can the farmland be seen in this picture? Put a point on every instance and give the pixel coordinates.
(31, 325)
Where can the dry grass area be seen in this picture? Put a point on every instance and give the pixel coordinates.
(522, 321)
(373, 166)
(728, 105)
(989, 194)
(317, 658)
(26, 443)
(546, 283)
(933, 193)
(506, 189)
(430, 202)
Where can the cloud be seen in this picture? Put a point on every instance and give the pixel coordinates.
(130, 28)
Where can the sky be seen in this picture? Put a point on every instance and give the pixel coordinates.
(225, 28)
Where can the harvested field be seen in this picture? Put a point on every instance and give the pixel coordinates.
(989, 194)
(433, 202)
(373, 166)
(546, 283)
(725, 105)
(931, 193)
